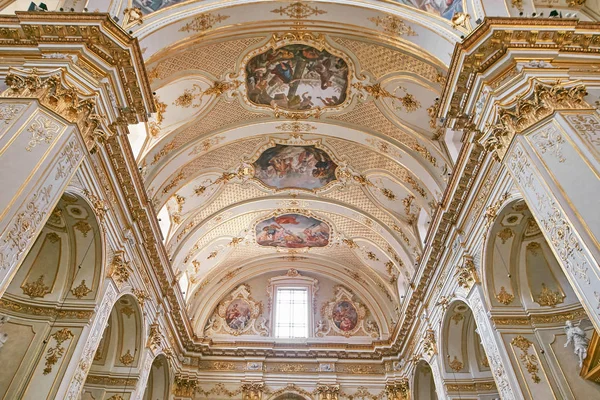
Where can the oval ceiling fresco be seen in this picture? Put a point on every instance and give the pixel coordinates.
(297, 77)
(292, 231)
(294, 167)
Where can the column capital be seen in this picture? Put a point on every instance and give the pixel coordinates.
(398, 390)
(512, 72)
(90, 64)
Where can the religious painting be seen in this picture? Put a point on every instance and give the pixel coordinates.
(301, 167)
(297, 77)
(292, 231)
(149, 6)
(238, 314)
(443, 8)
(344, 316)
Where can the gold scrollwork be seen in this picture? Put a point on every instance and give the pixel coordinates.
(530, 360)
(36, 289)
(53, 354)
(504, 297)
(548, 298)
(81, 291)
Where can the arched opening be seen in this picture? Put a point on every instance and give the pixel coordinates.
(465, 365)
(50, 299)
(116, 365)
(424, 386)
(157, 387)
(289, 396)
(523, 278)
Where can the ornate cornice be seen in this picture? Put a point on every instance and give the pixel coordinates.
(102, 38)
(497, 36)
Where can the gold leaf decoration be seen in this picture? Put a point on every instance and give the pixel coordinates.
(298, 10)
(505, 234)
(83, 227)
(36, 289)
(457, 317)
(54, 353)
(203, 22)
(530, 360)
(127, 358)
(81, 291)
(393, 25)
(504, 297)
(455, 364)
(548, 298)
(53, 237)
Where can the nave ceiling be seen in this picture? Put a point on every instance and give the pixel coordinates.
(224, 155)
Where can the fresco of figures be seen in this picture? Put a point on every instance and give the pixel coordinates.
(292, 231)
(297, 77)
(300, 167)
(344, 316)
(238, 314)
(149, 6)
(443, 8)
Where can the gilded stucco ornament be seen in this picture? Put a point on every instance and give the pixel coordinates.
(466, 274)
(398, 390)
(299, 10)
(393, 25)
(52, 90)
(504, 297)
(540, 101)
(203, 22)
(345, 316)
(184, 386)
(429, 344)
(119, 268)
(36, 288)
(530, 361)
(81, 291)
(238, 314)
(252, 390)
(549, 298)
(54, 353)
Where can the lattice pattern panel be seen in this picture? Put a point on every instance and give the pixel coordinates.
(232, 227)
(215, 59)
(226, 157)
(363, 159)
(368, 116)
(380, 60)
(221, 115)
(231, 194)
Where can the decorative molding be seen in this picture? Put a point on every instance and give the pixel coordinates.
(119, 268)
(456, 365)
(127, 358)
(530, 361)
(393, 25)
(81, 291)
(541, 100)
(52, 90)
(53, 354)
(298, 10)
(36, 289)
(345, 316)
(548, 298)
(203, 22)
(429, 345)
(466, 274)
(504, 297)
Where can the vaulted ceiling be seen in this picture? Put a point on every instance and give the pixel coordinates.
(295, 134)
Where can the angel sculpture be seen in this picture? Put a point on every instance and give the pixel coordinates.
(578, 337)
(320, 329)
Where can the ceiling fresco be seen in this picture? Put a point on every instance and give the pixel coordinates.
(297, 77)
(443, 8)
(292, 231)
(302, 167)
(285, 139)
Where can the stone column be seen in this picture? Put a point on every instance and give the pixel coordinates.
(39, 153)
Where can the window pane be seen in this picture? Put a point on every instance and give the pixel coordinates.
(291, 313)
